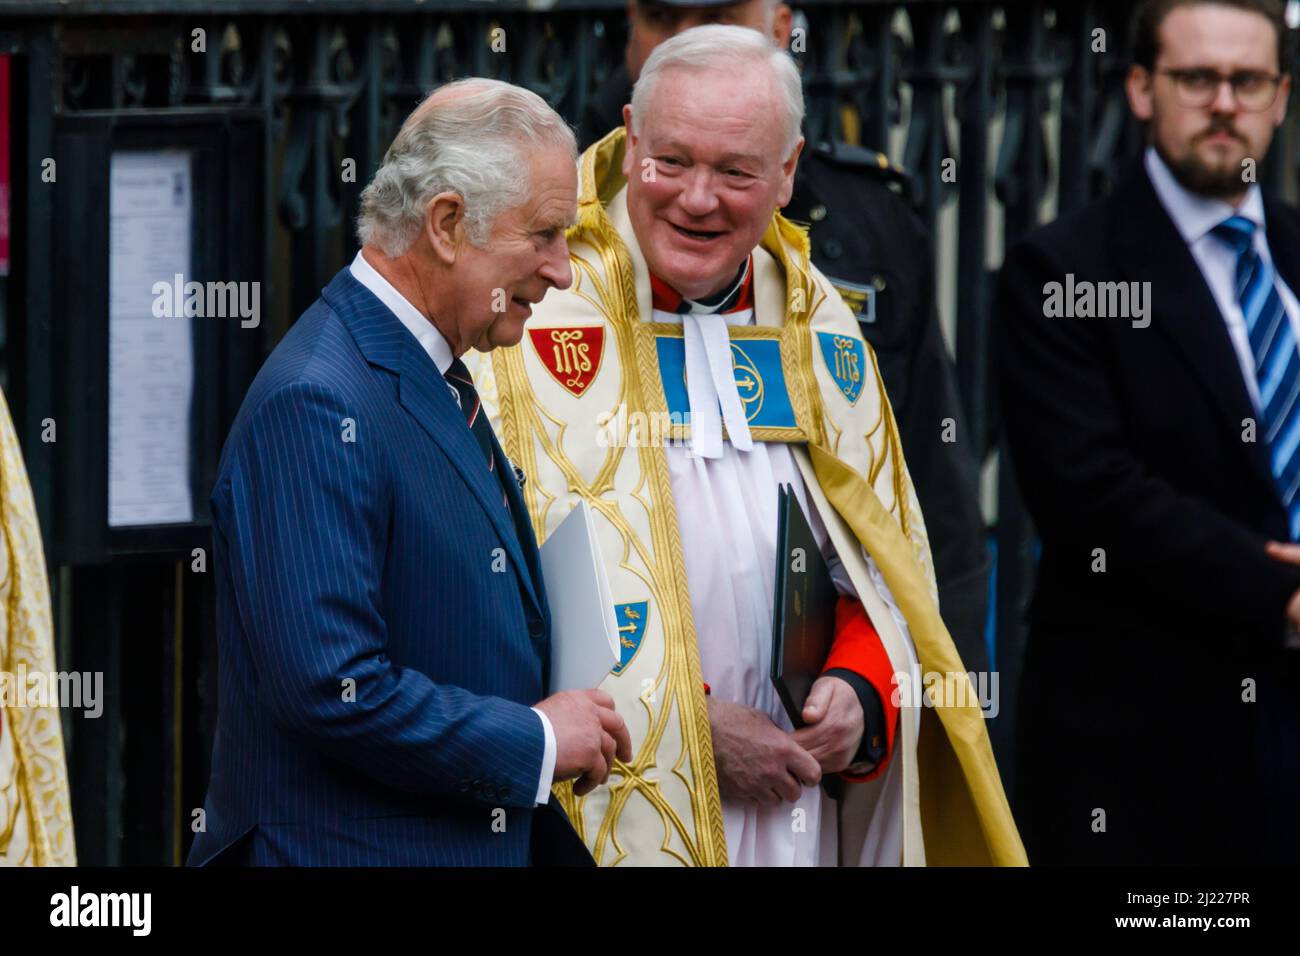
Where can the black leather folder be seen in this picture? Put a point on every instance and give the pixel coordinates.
(803, 618)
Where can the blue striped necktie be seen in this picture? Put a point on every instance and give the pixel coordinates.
(1277, 361)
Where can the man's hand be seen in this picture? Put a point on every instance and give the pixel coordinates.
(835, 725)
(757, 761)
(1290, 553)
(589, 734)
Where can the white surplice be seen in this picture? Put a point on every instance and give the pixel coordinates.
(726, 508)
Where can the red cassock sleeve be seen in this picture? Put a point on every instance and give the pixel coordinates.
(857, 648)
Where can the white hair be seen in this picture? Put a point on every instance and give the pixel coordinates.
(476, 143)
(724, 49)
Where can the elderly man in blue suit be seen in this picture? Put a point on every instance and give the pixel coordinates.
(382, 619)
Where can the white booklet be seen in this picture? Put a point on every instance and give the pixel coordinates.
(584, 631)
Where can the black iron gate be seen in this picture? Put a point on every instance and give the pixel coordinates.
(1022, 94)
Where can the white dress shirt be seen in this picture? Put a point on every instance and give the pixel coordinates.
(1195, 216)
(439, 351)
(726, 509)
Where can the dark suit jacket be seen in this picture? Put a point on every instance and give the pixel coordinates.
(376, 670)
(1128, 445)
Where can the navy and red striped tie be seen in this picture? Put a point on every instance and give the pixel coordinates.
(459, 378)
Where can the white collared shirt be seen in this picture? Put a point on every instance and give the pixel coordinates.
(425, 332)
(432, 341)
(1195, 217)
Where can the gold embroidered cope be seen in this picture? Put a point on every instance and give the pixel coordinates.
(601, 442)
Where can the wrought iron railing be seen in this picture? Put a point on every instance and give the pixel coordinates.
(1026, 95)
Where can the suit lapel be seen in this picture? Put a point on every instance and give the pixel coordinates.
(519, 513)
(424, 394)
(1150, 248)
(528, 541)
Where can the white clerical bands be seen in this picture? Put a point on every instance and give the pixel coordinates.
(710, 382)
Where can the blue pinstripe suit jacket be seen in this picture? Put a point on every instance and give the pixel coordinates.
(381, 616)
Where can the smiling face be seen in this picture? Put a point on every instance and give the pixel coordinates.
(706, 170)
(526, 255)
(1205, 146)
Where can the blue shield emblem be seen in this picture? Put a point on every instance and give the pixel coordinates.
(631, 619)
(846, 360)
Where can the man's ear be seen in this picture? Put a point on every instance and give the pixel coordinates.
(1138, 85)
(444, 225)
(782, 26)
(630, 143)
(787, 174)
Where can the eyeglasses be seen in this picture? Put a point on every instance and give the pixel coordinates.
(1198, 88)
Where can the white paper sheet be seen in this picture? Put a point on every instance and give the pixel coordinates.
(584, 632)
(150, 359)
